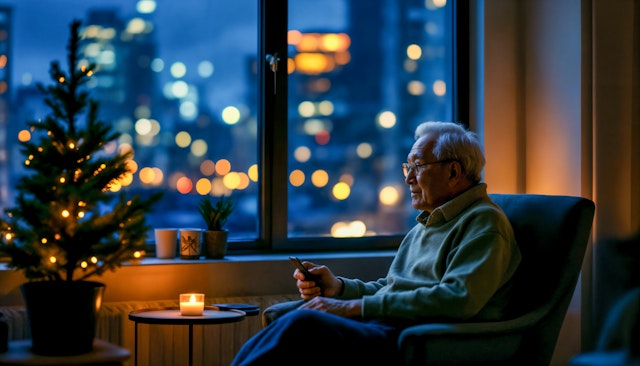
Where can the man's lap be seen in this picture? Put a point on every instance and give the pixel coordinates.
(333, 339)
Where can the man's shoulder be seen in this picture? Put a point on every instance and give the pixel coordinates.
(487, 214)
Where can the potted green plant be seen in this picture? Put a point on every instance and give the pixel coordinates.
(68, 226)
(215, 218)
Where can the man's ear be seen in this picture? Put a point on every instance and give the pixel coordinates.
(452, 171)
(455, 170)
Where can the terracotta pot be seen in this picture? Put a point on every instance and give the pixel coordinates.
(215, 243)
(62, 315)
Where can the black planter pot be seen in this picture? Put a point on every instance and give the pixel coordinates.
(62, 315)
(214, 243)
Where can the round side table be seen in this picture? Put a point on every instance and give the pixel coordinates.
(172, 316)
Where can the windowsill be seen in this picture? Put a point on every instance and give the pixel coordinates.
(239, 258)
(266, 257)
(235, 275)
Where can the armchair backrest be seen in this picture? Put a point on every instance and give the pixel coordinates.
(552, 233)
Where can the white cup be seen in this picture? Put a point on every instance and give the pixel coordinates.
(190, 243)
(166, 243)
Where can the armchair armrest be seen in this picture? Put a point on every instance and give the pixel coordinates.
(461, 343)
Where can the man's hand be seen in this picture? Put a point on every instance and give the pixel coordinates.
(326, 283)
(345, 308)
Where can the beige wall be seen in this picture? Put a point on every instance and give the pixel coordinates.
(616, 115)
(554, 84)
(532, 96)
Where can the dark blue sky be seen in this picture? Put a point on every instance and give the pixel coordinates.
(185, 30)
(224, 32)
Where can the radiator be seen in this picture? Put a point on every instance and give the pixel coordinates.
(165, 345)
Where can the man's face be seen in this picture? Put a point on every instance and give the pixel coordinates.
(429, 184)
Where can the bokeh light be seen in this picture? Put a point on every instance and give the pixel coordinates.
(296, 178)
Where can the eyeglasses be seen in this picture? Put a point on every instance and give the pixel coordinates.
(407, 167)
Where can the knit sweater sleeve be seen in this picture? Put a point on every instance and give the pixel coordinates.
(355, 288)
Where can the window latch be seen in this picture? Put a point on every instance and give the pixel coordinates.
(273, 65)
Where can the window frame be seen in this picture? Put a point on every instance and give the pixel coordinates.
(273, 120)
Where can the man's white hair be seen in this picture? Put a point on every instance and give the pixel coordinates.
(454, 141)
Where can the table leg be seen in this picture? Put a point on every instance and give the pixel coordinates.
(135, 342)
(190, 344)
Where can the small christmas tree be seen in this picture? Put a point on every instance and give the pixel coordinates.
(66, 225)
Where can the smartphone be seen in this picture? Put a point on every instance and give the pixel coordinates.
(298, 263)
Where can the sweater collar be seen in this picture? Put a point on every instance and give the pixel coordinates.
(453, 207)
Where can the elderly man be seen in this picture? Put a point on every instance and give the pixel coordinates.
(456, 264)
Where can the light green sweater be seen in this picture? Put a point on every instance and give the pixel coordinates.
(454, 264)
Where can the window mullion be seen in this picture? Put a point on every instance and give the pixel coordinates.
(273, 122)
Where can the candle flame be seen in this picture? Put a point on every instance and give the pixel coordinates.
(192, 299)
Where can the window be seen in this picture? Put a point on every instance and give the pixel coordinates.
(304, 122)
(361, 79)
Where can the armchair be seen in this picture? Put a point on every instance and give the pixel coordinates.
(552, 233)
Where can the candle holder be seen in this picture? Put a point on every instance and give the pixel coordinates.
(191, 304)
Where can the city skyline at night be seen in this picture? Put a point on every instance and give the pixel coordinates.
(193, 123)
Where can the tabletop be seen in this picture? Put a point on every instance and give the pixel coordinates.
(171, 315)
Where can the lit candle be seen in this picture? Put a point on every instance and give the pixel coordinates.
(191, 304)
